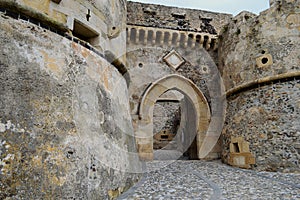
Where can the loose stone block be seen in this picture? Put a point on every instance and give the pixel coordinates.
(240, 155)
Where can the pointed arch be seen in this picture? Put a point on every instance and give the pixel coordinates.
(144, 134)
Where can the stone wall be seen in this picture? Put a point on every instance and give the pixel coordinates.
(253, 47)
(158, 48)
(160, 16)
(149, 63)
(145, 65)
(166, 116)
(259, 63)
(268, 118)
(167, 27)
(100, 25)
(65, 125)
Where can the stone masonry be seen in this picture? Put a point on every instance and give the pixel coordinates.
(65, 125)
(158, 47)
(85, 85)
(259, 62)
(254, 53)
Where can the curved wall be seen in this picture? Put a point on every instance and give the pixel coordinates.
(62, 135)
(100, 24)
(259, 62)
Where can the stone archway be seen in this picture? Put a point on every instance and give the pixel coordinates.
(144, 133)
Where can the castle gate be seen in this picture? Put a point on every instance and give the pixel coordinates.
(144, 133)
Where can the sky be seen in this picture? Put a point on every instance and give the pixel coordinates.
(226, 6)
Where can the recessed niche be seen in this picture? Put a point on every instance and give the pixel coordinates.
(83, 32)
(164, 137)
(236, 148)
(264, 60)
(264, 51)
(178, 15)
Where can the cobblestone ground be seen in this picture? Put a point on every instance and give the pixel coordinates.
(211, 180)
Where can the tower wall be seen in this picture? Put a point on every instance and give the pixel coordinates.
(259, 63)
(65, 124)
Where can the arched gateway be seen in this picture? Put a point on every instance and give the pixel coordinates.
(144, 133)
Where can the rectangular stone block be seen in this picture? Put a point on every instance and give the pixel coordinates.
(242, 160)
(239, 160)
(146, 156)
(244, 147)
(250, 160)
(145, 148)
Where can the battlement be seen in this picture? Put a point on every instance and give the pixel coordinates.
(181, 19)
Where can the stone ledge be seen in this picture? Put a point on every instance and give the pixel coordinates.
(262, 81)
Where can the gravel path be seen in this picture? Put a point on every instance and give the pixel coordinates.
(211, 180)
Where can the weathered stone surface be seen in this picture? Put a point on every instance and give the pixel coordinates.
(268, 118)
(65, 125)
(166, 116)
(102, 24)
(239, 153)
(65, 128)
(175, 18)
(249, 37)
(260, 50)
(156, 51)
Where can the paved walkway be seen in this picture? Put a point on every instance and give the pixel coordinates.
(211, 180)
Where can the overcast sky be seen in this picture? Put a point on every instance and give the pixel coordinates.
(228, 6)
